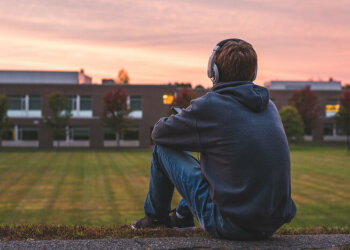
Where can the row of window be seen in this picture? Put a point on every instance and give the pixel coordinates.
(80, 106)
(73, 102)
(31, 133)
(331, 129)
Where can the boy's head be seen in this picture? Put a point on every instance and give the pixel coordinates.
(236, 61)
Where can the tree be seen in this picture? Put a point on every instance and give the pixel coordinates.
(199, 86)
(4, 121)
(343, 116)
(181, 84)
(123, 76)
(306, 102)
(183, 99)
(116, 111)
(292, 123)
(60, 114)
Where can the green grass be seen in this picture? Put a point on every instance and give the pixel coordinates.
(108, 188)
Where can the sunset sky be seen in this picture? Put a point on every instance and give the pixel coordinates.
(167, 41)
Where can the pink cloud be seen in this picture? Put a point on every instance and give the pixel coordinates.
(162, 41)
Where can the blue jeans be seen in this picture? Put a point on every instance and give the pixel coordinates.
(177, 168)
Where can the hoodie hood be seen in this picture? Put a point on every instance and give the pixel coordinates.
(250, 95)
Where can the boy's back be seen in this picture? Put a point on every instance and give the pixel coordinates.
(245, 155)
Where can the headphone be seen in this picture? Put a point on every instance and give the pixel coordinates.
(213, 70)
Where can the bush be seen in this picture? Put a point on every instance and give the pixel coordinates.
(292, 123)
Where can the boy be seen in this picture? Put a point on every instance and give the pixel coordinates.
(241, 187)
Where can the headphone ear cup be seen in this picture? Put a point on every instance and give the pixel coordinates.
(216, 73)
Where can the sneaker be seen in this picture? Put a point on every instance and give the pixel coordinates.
(183, 224)
(148, 222)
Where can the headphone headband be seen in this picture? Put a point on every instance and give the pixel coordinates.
(220, 44)
(213, 70)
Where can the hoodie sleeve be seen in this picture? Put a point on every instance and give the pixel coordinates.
(178, 131)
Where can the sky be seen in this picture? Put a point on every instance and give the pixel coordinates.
(160, 41)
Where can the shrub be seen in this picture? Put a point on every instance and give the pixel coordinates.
(292, 123)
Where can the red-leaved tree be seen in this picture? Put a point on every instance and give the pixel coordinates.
(115, 115)
(306, 102)
(343, 116)
(183, 98)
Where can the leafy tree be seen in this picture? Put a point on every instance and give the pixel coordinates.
(343, 116)
(183, 99)
(306, 102)
(123, 76)
(4, 121)
(181, 84)
(116, 111)
(292, 123)
(199, 87)
(60, 114)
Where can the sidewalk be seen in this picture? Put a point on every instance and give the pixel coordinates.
(333, 241)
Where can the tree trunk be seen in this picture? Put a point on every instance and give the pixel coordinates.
(0, 142)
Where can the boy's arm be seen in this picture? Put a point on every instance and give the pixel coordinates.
(178, 131)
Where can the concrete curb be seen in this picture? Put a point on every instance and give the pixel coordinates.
(335, 241)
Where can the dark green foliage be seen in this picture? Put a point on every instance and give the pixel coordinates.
(292, 123)
(4, 121)
(182, 84)
(60, 114)
(199, 86)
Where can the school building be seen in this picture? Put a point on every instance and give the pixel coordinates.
(27, 93)
(327, 92)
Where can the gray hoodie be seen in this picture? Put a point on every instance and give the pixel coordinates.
(244, 152)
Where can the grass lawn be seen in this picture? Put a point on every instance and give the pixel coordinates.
(105, 187)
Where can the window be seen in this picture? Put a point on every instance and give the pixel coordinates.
(34, 103)
(28, 133)
(79, 134)
(328, 129)
(9, 135)
(168, 99)
(61, 136)
(72, 102)
(131, 134)
(332, 107)
(109, 135)
(85, 103)
(16, 103)
(135, 102)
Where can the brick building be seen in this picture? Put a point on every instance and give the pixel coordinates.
(327, 93)
(27, 93)
(28, 106)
